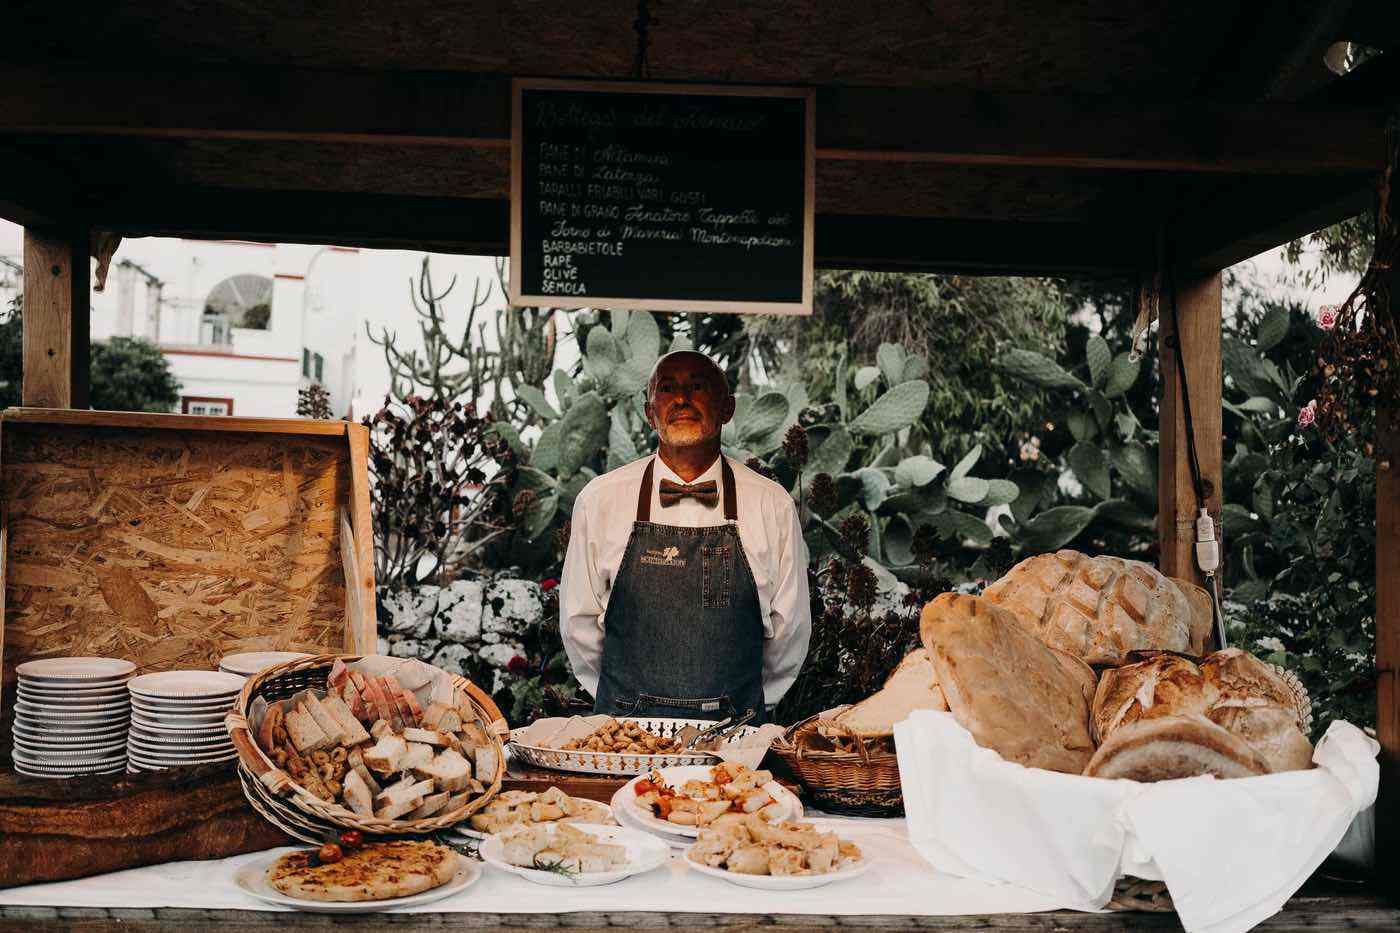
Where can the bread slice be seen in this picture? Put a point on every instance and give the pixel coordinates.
(273, 718)
(351, 732)
(383, 706)
(357, 764)
(386, 755)
(339, 675)
(413, 674)
(913, 685)
(1171, 747)
(401, 708)
(448, 770)
(431, 805)
(305, 734)
(324, 719)
(358, 796)
(400, 799)
(419, 755)
(415, 711)
(441, 717)
(486, 760)
(1005, 686)
(428, 737)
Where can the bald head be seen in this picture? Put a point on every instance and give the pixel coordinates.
(676, 360)
(688, 401)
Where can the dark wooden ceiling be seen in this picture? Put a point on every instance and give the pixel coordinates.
(970, 134)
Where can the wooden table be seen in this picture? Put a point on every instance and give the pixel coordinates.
(1320, 908)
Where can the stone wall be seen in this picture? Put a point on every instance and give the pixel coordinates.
(462, 626)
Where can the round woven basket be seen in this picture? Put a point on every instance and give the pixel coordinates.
(864, 782)
(301, 814)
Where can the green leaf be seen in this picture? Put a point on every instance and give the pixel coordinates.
(1258, 403)
(965, 465)
(1098, 355)
(1272, 329)
(533, 397)
(890, 358)
(564, 388)
(507, 433)
(896, 409)
(968, 489)
(621, 449)
(841, 403)
(1103, 411)
(1029, 366)
(914, 368)
(899, 541)
(1237, 520)
(1122, 373)
(1264, 497)
(917, 471)
(955, 524)
(602, 355)
(1137, 467)
(571, 487)
(585, 431)
(1000, 492)
(764, 417)
(865, 376)
(546, 452)
(643, 340)
(1082, 425)
(874, 486)
(1124, 514)
(1054, 528)
(1034, 486)
(830, 455)
(620, 319)
(1089, 465)
(538, 517)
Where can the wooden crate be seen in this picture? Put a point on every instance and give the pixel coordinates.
(170, 540)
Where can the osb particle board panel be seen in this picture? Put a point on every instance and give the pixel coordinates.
(171, 548)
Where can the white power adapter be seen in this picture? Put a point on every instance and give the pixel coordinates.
(1208, 559)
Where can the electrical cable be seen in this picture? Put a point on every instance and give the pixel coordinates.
(1207, 544)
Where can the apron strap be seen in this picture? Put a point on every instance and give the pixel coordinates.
(731, 496)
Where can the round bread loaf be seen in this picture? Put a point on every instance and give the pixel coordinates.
(1241, 679)
(1271, 731)
(1171, 747)
(1006, 687)
(1100, 608)
(1163, 685)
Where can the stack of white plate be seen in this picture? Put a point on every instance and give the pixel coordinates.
(71, 716)
(177, 719)
(249, 663)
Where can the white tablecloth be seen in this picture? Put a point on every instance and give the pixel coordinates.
(899, 882)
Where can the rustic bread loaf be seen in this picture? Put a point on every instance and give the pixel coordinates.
(1170, 747)
(1006, 687)
(1202, 615)
(1271, 731)
(1241, 679)
(1099, 608)
(913, 685)
(1080, 671)
(1164, 685)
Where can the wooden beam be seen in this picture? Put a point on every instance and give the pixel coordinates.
(56, 320)
(35, 193)
(1388, 627)
(1199, 313)
(886, 124)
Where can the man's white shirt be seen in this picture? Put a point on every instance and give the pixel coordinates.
(769, 530)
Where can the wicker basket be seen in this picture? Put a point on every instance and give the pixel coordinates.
(859, 783)
(273, 792)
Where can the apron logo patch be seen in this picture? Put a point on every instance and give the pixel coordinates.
(663, 557)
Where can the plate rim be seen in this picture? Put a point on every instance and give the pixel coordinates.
(41, 664)
(255, 870)
(799, 882)
(661, 855)
(155, 678)
(693, 832)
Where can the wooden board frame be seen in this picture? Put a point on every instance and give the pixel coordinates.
(808, 95)
(324, 472)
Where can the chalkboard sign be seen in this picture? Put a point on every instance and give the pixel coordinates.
(665, 197)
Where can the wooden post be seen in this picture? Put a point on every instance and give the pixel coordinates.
(1388, 629)
(56, 320)
(1199, 309)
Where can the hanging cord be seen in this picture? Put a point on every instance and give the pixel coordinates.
(641, 68)
(1207, 544)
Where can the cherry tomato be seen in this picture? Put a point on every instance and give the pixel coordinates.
(330, 854)
(352, 839)
(645, 787)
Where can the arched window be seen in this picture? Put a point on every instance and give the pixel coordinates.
(243, 301)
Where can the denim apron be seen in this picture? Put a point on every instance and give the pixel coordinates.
(683, 632)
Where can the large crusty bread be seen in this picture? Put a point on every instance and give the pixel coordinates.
(1241, 679)
(1079, 671)
(1004, 686)
(1271, 731)
(913, 685)
(1170, 747)
(376, 871)
(1164, 685)
(1099, 608)
(1202, 615)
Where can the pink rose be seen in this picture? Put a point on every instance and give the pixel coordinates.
(1327, 317)
(1307, 414)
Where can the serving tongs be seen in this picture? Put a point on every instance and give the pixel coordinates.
(691, 737)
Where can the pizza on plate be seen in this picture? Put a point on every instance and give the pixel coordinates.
(374, 872)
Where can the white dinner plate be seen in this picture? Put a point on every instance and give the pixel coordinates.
(42, 707)
(251, 879)
(465, 829)
(171, 721)
(622, 815)
(61, 772)
(194, 704)
(64, 750)
(185, 684)
(70, 732)
(182, 739)
(781, 882)
(643, 854)
(73, 695)
(75, 765)
(248, 663)
(168, 758)
(626, 799)
(63, 670)
(140, 723)
(74, 721)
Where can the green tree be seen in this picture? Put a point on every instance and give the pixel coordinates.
(126, 374)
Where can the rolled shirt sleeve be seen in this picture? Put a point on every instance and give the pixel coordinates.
(582, 599)
(790, 610)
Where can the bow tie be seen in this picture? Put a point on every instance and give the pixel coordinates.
(706, 493)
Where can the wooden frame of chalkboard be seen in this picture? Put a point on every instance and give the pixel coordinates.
(747, 286)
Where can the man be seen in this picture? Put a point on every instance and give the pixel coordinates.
(684, 591)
